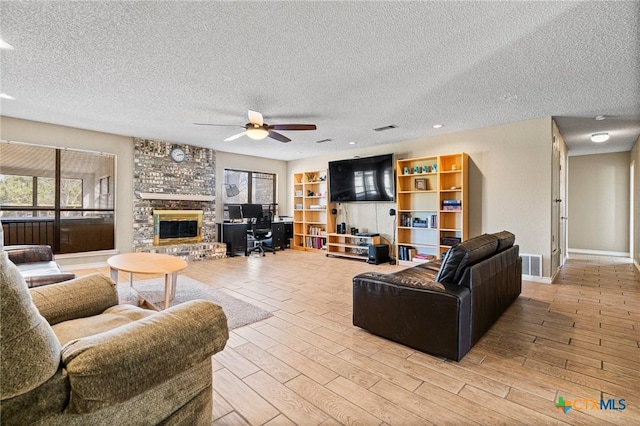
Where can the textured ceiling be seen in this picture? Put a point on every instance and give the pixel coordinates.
(152, 69)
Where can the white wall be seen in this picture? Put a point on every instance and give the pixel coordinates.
(599, 203)
(509, 181)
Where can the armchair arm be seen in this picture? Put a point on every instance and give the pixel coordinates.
(77, 298)
(114, 366)
(29, 253)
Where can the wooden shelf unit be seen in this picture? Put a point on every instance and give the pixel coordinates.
(351, 246)
(310, 215)
(428, 190)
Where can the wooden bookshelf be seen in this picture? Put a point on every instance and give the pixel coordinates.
(310, 210)
(432, 206)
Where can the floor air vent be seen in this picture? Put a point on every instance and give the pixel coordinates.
(532, 264)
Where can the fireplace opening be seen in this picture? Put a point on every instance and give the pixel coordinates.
(177, 226)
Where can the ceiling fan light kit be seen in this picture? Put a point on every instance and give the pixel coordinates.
(599, 137)
(257, 133)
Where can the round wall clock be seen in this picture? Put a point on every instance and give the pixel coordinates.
(178, 155)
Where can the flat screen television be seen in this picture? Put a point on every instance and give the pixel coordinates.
(362, 179)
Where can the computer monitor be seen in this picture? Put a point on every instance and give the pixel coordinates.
(235, 212)
(251, 211)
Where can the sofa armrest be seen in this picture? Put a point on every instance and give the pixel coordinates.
(29, 253)
(111, 367)
(78, 298)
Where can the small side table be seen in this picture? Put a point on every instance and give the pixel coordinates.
(149, 263)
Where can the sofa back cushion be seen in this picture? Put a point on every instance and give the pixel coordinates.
(505, 240)
(465, 254)
(29, 349)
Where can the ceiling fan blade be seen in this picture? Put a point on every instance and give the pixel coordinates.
(224, 125)
(277, 136)
(293, 126)
(236, 136)
(256, 118)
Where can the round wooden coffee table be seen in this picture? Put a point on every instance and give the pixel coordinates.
(149, 263)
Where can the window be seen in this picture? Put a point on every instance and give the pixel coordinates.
(242, 186)
(63, 198)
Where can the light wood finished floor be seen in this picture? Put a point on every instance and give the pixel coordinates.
(307, 364)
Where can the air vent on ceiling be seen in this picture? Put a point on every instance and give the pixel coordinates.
(389, 127)
(324, 140)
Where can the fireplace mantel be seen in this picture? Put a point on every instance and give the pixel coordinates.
(176, 197)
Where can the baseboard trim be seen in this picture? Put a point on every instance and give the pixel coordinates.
(543, 280)
(600, 252)
(88, 254)
(95, 265)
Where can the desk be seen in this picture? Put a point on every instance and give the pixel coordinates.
(235, 236)
(149, 263)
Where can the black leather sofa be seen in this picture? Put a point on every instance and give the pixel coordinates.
(442, 307)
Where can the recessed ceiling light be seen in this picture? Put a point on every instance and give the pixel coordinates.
(5, 96)
(4, 45)
(438, 126)
(600, 117)
(352, 143)
(599, 137)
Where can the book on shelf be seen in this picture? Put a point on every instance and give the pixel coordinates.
(452, 205)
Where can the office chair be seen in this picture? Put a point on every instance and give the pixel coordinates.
(261, 230)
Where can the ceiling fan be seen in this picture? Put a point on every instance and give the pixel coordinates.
(257, 129)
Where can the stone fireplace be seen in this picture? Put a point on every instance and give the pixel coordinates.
(174, 203)
(177, 227)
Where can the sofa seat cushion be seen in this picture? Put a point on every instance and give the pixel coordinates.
(415, 277)
(111, 318)
(40, 273)
(465, 254)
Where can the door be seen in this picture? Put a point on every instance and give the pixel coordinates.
(555, 207)
(564, 208)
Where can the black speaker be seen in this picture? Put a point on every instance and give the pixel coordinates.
(341, 228)
(392, 212)
(378, 253)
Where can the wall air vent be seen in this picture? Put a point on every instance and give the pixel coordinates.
(389, 127)
(324, 140)
(532, 264)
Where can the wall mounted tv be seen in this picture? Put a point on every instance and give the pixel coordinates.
(362, 179)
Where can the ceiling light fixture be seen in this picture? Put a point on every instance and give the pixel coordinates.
(4, 45)
(257, 133)
(352, 143)
(5, 96)
(599, 137)
(438, 126)
(600, 117)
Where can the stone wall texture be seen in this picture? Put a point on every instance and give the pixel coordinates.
(155, 171)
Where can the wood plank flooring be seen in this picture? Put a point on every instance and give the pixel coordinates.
(307, 364)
